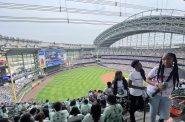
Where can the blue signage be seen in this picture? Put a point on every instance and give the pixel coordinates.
(50, 57)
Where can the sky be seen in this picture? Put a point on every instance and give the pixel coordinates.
(71, 32)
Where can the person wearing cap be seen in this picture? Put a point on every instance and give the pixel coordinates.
(136, 87)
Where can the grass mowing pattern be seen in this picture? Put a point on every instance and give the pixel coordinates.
(73, 83)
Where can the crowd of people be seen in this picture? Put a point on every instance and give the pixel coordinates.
(117, 66)
(98, 106)
(149, 62)
(126, 62)
(84, 61)
(120, 96)
(6, 89)
(85, 58)
(125, 56)
(141, 52)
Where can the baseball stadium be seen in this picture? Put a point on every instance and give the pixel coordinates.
(52, 81)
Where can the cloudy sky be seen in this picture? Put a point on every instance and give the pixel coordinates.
(43, 17)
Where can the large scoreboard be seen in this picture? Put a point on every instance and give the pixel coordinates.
(50, 57)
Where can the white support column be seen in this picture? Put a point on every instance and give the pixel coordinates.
(164, 39)
(171, 37)
(130, 40)
(141, 40)
(127, 42)
(154, 39)
(183, 40)
(148, 40)
(137, 41)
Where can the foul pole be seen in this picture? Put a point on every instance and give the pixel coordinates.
(12, 82)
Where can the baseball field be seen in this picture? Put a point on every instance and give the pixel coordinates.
(76, 83)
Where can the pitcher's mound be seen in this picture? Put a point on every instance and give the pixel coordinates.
(107, 77)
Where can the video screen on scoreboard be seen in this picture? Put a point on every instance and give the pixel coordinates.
(51, 57)
(54, 57)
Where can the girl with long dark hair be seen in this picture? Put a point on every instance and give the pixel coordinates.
(120, 84)
(162, 80)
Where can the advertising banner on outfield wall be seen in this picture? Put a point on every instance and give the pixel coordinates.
(42, 60)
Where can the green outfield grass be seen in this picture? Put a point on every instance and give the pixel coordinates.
(74, 83)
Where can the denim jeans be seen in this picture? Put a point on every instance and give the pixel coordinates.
(159, 105)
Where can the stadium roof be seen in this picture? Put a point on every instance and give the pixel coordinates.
(19, 51)
(144, 22)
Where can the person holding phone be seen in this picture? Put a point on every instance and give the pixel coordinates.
(162, 80)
